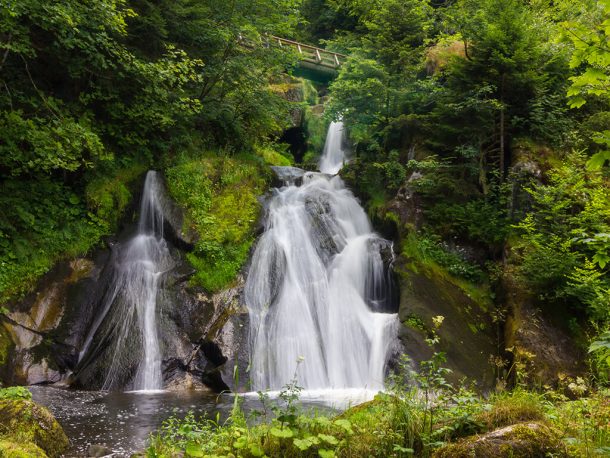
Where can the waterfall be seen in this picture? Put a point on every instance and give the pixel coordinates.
(128, 320)
(333, 156)
(317, 286)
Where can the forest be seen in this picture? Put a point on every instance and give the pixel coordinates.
(473, 195)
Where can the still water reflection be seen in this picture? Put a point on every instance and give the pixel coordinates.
(124, 421)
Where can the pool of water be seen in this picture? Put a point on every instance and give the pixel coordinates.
(124, 421)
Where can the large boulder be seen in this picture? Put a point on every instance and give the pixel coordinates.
(468, 335)
(541, 347)
(34, 345)
(30, 426)
(522, 440)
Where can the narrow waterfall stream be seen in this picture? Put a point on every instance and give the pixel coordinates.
(333, 156)
(318, 288)
(128, 322)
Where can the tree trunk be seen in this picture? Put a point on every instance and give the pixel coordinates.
(502, 132)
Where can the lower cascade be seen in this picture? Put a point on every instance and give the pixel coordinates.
(318, 290)
(126, 329)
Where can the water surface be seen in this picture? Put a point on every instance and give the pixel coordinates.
(124, 421)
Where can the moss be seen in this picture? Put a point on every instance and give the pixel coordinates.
(24, 422)
(5, 345)
(517, 406)
(10, 449)
(523, 440)
(316, 127)
(220, 196)
(109, 196)
(417, 322)
(420, 261)
(272, 157)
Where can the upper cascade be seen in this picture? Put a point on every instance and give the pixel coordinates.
(333, 157)
(318, 286)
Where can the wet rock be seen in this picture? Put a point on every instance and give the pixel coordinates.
(523, 440)
(467, 336)
(38, 350)
(540, 346)
(284, 176)
(229, 331)
(29, 423)
(81, 268)
(97, 451)
(37, 372)
(407, 204)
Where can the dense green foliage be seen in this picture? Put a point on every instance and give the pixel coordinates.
(219, 193)
(94, 92)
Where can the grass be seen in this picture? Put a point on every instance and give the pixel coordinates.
(427, 255)
(399, 425)
(220, 195)
(272, 157)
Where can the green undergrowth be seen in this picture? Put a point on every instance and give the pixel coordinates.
(316, 128)
(273, 157)
(220, 195)
(427, 254)
(5, 341)
(420, 414)
(44, 221)
(405, 423)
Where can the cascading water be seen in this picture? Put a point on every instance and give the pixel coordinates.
(333, 156)
(317, 286)
(128, 321)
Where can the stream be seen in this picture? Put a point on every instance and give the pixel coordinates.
(124, 421)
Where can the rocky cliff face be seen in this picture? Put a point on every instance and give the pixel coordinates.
(42, 335)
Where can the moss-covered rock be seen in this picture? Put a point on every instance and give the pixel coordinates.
(30, 426)
(9, 449)
(5, 345)
(220, 196)
(467, 335)
(523, 440)
(543, 351)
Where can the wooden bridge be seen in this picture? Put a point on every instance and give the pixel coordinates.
(316, 57)
(311, 58)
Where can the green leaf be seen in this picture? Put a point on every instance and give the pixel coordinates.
(332, 440)
(194, 450)
(281, 433)
(256, 450)
(345, 424)
(240, 443)
(601, 259)
(576, 102)
(398, 448)
(302, 444)
(597, 161)
(324, 453)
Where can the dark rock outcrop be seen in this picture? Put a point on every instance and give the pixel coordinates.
(543, 350)
(467, 335)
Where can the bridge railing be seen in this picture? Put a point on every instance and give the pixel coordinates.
(307, 53)
(312, 54)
